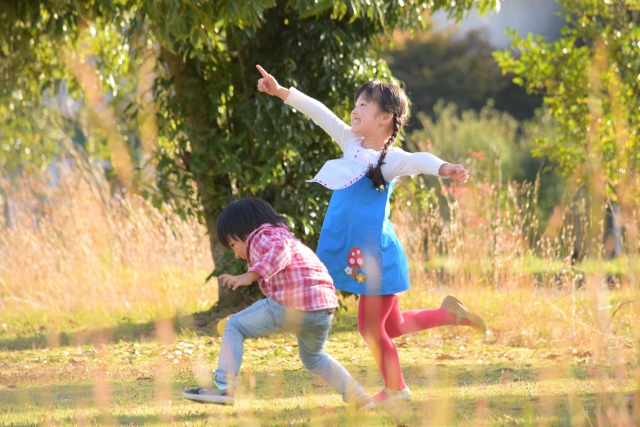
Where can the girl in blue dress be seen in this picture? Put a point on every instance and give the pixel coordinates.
(357, 242)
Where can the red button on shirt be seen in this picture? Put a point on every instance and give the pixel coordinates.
(291, 273)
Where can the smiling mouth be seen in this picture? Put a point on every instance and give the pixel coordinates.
(355, 121)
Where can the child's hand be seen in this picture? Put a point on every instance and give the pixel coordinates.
(269, 84)
(234, 282)
(456, 172)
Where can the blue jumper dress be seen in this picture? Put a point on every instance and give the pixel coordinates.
(358, 244)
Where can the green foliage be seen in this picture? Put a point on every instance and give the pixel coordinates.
(440, 66)
(219, 139)
(32, 58)
(492, 145)
(26, 140)
(589, 79)
(41, 104)
(475, 139)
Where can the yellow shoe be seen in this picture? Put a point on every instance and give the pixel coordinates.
(458, 309)
(221, 325)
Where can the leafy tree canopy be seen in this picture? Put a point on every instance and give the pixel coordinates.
(441, 66)
(218, 139)
(590, 79)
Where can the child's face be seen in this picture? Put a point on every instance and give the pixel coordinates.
(366, 117)
(239, 247)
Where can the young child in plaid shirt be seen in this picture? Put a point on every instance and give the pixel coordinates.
(300, 299)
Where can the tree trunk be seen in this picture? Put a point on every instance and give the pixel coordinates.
(227, 298)
(206, 186)
(6, 207)
(613, 231)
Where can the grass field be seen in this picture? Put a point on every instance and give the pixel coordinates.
(472, 384)
(457, 378)
(97, 307)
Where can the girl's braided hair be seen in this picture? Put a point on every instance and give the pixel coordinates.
(390, 99)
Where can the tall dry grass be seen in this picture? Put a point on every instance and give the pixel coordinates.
(539, 287)
(75, 252)
(70, 250)
(553, 290)
(69, 255)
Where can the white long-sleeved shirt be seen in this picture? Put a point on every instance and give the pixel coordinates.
(341, 173)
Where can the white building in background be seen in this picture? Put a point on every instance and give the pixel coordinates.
(524, 16)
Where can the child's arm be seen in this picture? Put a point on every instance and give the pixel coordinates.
(399, 163)
(234, 282)
(270, 254)
(317, 111)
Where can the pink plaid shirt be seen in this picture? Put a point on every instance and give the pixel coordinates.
(291, 273)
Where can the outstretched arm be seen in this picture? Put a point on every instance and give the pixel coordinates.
(400, 163)
(317, 111)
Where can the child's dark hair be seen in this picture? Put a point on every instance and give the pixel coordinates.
(391, 99)
(242, 217)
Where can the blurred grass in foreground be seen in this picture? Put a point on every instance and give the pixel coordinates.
(97, 299)
(457, 378)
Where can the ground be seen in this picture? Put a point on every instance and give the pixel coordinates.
(457, 378)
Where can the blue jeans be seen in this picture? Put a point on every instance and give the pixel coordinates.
(267, 316)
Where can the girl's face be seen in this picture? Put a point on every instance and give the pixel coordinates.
(366, 117)
(239, 248)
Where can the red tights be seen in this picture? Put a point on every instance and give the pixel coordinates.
(380, 320)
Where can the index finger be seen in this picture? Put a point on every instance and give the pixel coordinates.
(262, 71)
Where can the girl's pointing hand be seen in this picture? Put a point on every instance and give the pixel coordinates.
(268, 84)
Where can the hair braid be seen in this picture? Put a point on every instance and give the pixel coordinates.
(390, 99)
(375, 173)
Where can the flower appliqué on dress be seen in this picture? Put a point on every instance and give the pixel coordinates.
(355, 261)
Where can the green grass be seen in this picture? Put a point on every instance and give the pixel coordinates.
(537, 266)
(168, 293)
(456, 379)
(82, 340)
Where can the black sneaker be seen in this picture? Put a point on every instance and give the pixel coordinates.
(364, 403)
(210, 394)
